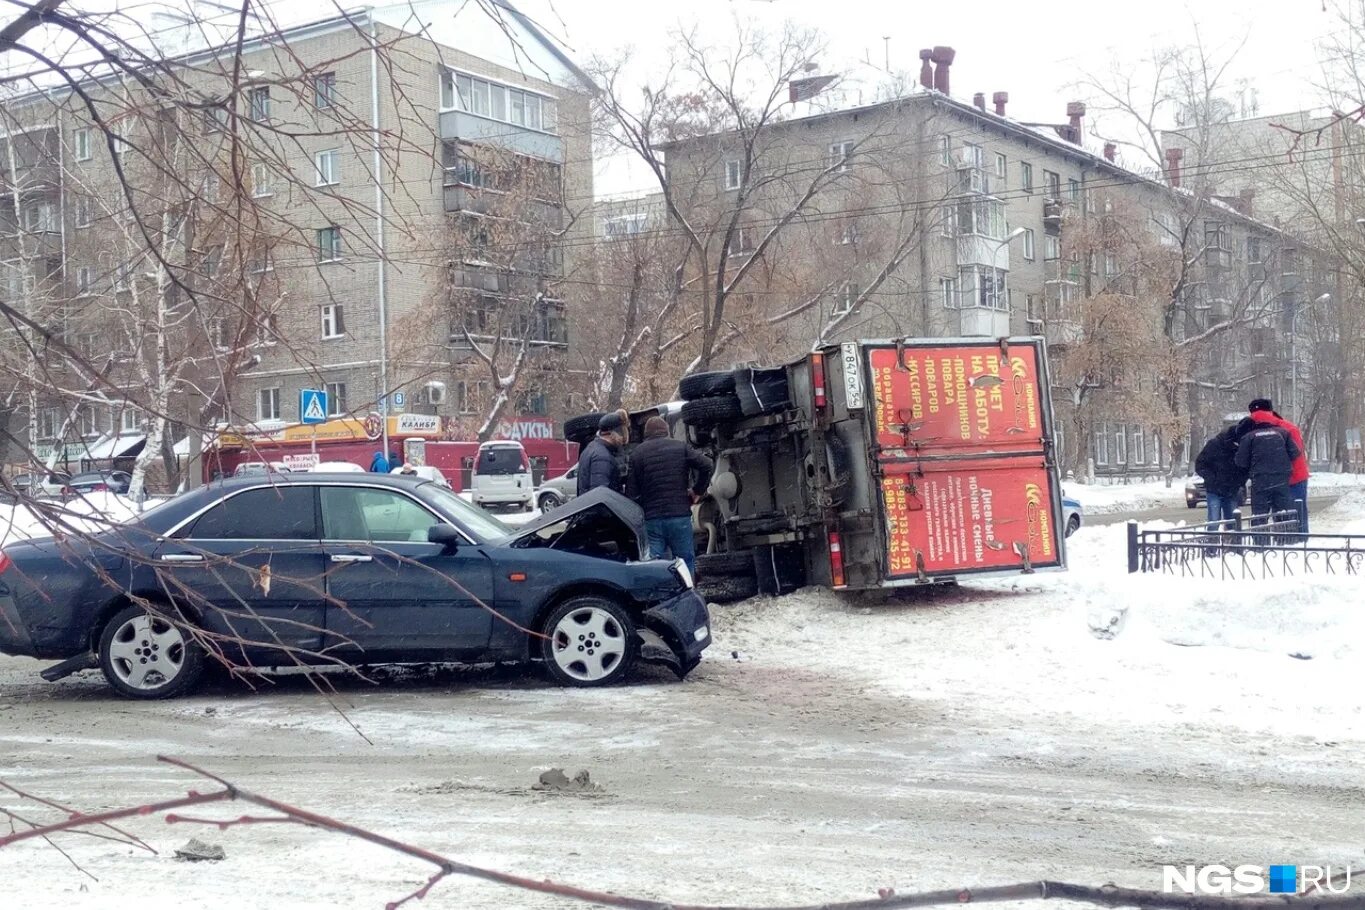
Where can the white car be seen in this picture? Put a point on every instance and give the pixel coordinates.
(251, 468)
(557, 490)
(336, 467)
(502, 477)
(424, 471)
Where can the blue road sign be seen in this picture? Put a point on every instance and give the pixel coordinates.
(312, 406)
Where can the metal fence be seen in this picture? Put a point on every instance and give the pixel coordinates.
(1254, 547)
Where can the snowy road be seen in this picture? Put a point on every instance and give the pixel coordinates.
(961, 736)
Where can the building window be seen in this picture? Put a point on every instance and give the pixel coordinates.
(1054, 184)
(462, 168)
(329, 244)
(948, 225)
(1073, 190)
(86, 421)
(984, 287)
(848, 233)
(259, 265)
(215, 119)
(734, 174)
(486, 98)
(1029, 251)
(83, 279)
(328, 167)
(261, 181)
(1052, 247)
(40, 218)
(839, 155)
(1254, 250)
(84, 212)
(130, 419)
(470, 395)
(973, 155)
(1001, 169)
(1026, 177)
(1033, 312)
(742, 241)
(266, 330)
(325, 91)
(268, 404)
(945, 150)
(49, 422)
(619, 226)
(1138, 449)
(1120, 445)
(82, 143)
(258, 103)
(980, 215)
(120, 144)
(333, 325)
(1156, 449)
(336, 399)
(1102, 446)
(948, 286)
(1111, 265)
(844, 299)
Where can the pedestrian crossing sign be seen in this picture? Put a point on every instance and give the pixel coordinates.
(313, 406)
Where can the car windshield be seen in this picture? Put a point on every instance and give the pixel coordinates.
(476, 521)
(499, 460)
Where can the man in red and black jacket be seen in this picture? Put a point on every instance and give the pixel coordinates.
(1262, 411)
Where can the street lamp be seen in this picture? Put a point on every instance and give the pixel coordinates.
(1294, 354)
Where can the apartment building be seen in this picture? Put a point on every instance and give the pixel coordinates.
(360, 158)
(967, 221)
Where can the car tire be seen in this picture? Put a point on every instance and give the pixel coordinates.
(570, 631)
(1191, 505)
(707, 412)
(706, 385)
(714, 565)
(146, 657)
(727, 588)
(1073, 525)
(582, 429)
(549, 500)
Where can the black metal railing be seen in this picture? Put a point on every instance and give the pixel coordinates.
(1254, 547)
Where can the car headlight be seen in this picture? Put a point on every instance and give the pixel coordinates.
(684, 574)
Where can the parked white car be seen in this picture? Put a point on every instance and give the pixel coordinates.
(336, 467)
(251, 468)
(502, 477)
(424, 471)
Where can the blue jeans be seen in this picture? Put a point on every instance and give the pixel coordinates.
(672, 537)
(1221, 507)
(1300, 491)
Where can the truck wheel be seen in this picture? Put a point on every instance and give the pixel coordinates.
(145, 657)
(727, 588)
(589, 641)
(706, 385)
(707, 412)
(714, 565)
(582, 429)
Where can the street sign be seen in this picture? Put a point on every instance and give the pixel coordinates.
(312, 406)
(399, 400)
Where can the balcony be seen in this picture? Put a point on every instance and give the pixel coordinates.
(1217, 258)
(977, 320)
(1062, 333)
(977, 249)
(1053, 211)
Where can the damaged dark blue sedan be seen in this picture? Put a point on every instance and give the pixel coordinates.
(348, 570)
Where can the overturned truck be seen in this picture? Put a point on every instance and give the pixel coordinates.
(877, 464)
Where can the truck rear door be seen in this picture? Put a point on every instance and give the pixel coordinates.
(963, 457)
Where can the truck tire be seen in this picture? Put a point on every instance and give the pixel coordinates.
(707, 412)
(581, 429)
(727, 588)
(706, 385)
(714, 565)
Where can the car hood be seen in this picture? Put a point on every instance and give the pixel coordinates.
(623, 509)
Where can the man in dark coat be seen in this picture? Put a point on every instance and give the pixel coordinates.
(598, 463)
(1267, 453)
(1262, 410)
(1223, 478)
(659, 481)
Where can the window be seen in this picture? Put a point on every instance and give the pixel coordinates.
(40, 217)
(839, 155)
(122, 277)
(1138, 450)
(329, 244)
(86, 423)
(1073, 190)
(328, 167)
(84, 212)
(742, 241)
(463, 169)
(1216, 235)
(266, 329)
(259, 265)
(82, 143)
(1001, 169)
(213, 256)
(1054, 184)
(973, 155)
(1026, 177)
(1111, 265)
(373, 516)
(620, 226)
(486, 98)
(848, 233)
(336, 399)
(215, 119)
(281, 512)
(1052, 247)
(268, 404)
(333, 326)
(949, 288)
(120, 144)
(1029, 252)
(1120, 445)
(325, 91)
(984, 287)
(1033, 312)
(1101, 447)
(1156, 449)
(734, 174)
(1168, 233)
(469, 396)
(258, 103)
(979, 215)
(129, 419)
(261, 180)
(213, 184)
(948, 224)
(82, 279)
(1254, 250)
(945, 150)
(49, 422)
(844, 299)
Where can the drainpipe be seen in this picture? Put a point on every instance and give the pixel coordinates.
(381, 292)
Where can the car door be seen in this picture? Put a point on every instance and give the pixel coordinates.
(390, 592)
(252, 566)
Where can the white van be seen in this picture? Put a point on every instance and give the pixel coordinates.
(502, 477)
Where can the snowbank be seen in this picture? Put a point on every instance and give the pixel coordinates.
(1105, 500)
(89, 513)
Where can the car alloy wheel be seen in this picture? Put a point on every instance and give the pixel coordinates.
(144, 656)
(549, 501)
(590, 642)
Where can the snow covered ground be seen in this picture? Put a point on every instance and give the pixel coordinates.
(1102, 499)
(1087, 726)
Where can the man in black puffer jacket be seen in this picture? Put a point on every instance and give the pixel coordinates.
(1223, 479)
(1267, 453)
(658, 481)
(598, 464)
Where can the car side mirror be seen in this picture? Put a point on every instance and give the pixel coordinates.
(447, 536)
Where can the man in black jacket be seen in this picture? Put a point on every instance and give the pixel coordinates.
(598, 463)
(658, 481)
(1267, 453)
(1223, 478)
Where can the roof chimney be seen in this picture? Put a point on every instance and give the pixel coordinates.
(979, 99)
(1173, 157)
(926, 70)
(999, 99)
(1110, 149)
(1248, 197)
(943, 60)
(1075, 111)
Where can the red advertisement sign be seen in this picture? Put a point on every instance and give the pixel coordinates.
(970, 515)
(965, 399)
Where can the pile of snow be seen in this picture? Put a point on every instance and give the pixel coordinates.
(90, 513)
(1098, 499)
